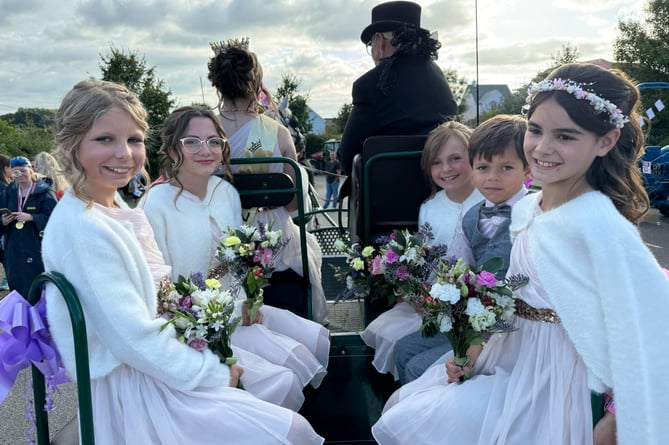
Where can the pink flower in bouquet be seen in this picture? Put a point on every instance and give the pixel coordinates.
(486, 278)
(198, 344)
(377, 265)
(186, 301)
(402, 273)
(264, 256)
(391, 257)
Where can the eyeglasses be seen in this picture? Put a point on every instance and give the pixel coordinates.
(192, 144)
(16, 172)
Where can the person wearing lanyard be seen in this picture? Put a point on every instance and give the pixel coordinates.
(26, 207)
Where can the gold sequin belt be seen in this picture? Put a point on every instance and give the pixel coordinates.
(524, 310)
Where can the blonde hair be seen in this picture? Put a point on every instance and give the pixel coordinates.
(81, 107)
(435, 140)
(46, 165)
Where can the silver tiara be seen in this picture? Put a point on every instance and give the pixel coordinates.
(222, 46)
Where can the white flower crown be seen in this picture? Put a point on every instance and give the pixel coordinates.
(616, 116)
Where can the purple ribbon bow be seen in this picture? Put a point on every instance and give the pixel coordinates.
(25, 339)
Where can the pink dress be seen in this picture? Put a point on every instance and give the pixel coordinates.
(529, 387)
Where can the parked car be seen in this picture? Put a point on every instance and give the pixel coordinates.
(318, 158)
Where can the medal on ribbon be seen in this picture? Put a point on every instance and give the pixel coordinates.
(19, 225)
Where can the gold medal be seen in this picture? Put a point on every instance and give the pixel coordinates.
(19, 225)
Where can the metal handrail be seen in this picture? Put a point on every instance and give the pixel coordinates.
(81, 359)
(300, 210)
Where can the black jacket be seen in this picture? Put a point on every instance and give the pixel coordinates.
(23, 256)
(413, 98)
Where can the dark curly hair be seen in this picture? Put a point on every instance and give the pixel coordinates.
(409, 41)
(236, 74)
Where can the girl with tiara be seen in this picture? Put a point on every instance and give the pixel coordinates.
(237, 75)
(593, 316)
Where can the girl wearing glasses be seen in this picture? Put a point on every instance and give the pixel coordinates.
(190, 213)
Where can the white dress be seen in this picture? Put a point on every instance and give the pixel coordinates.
(258, 138)
(445, 218)
(283, 339)
(528, 387)
(134, 408)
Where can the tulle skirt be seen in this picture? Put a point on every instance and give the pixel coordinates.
(132, 408)
(269, 382)
(288, 340)
(529, 387)
(383, 333)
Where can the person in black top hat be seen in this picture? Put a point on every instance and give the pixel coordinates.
(406, 92)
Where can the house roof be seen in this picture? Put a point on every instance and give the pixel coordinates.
(485, 89)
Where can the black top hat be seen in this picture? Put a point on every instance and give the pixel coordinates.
(389, 16)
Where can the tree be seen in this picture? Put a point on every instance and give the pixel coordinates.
(43, 118)
(132, 71)
(642, 47)
(642, 51)
(297, 102)
(26, 141)
(458, 86)
(342, 117)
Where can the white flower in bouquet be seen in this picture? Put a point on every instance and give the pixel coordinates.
(409, 255)
(341, 246)
(445, 322)
(479, 317)
(202, 298)
(447, 292)
(506, 304)
(247, 230)
(273, 236)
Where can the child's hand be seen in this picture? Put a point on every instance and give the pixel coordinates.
(246, 319)
(236, 372)
(454, 371)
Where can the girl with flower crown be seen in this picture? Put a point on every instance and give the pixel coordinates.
(147, 386)
(592, 317)
(190, 214)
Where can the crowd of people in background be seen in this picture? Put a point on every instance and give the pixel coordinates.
(584, 323)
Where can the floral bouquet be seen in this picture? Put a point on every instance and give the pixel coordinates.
(202, 314)
(468, 305)
(357, 277)
(249, 252)
(401, 266)
(407, 262)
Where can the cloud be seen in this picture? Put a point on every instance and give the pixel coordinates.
(52, 45)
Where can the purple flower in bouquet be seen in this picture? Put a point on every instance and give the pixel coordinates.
(402, 273)
(485, 278)
(391, 256)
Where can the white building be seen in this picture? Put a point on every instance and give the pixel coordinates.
(488, 95)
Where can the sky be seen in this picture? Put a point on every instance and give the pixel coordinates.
(48, 46)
